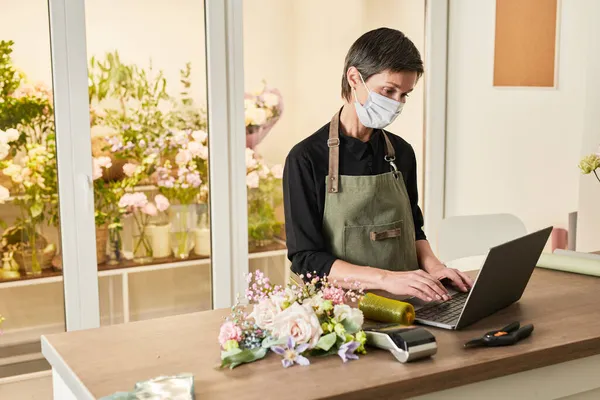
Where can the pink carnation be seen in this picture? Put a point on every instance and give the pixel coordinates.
(162, 203)
(150, 209)
(336, 295)
(229, 331)
(133, 200)
(97, 164)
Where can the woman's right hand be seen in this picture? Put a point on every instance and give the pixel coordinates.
(417, 283)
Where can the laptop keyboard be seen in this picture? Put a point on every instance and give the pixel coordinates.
(446, 312)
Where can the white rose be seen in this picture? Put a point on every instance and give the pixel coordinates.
(199, 136)
(4, 149)
(255, 116)
(4, 194)
(194, 148)
(12, 170)
(251, 162)
(264, 313)
(270, 99)
(300, 323)
(277, 171)
(203, 152)
(11, 135)
(343, 312)
(252, 180)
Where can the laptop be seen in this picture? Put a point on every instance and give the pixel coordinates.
(500, 282)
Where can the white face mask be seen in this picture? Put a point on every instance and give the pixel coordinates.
(378, 111)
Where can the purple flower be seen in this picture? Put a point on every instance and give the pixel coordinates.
(292, 354)
(346, 351)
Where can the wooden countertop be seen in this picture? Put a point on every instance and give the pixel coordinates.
(562, 306)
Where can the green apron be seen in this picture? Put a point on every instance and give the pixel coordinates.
(368, 219)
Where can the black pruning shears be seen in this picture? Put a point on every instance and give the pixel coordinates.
(506, 336)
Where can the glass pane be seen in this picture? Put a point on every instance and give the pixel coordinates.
(147, 80)
(296, 51)
(31, 288)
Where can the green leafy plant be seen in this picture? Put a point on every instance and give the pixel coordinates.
(21, 104)
(130, 99)
(185, 113)
(265, 194)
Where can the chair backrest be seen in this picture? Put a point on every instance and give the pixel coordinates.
(474, 235)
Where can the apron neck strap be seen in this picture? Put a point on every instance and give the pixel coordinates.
(390, 153)
(334, 153)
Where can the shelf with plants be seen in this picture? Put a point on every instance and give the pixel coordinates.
(275, 249)
(150, 170)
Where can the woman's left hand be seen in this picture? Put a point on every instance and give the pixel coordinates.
(459, 279)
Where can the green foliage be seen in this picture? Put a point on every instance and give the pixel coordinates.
(262, 202)
(236, 357)
(22, 105)
(131, 98)
(185, 113)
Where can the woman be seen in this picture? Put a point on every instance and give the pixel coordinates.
(350, 189)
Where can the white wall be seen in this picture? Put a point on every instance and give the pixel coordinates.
(513, 150)
(588, 227)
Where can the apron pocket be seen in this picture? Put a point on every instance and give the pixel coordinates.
(379, 246)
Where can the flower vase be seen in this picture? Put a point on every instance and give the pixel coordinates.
(142, 246)
(183, 223)
(101, 243)
(202, 234)
(159, 234)
(29, 253)
(114, 247)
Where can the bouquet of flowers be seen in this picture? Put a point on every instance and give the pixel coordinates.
(591, 163)
(265, 194)
(261, 110)
(302, 319)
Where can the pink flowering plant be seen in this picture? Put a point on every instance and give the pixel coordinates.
(304, 319)
(265, 194)
(183, 179)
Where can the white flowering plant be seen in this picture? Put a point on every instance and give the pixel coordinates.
(265, 194)
(308, 318)
(591, 164)
(33, 175)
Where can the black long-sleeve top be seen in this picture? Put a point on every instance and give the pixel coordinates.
(304, 190)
